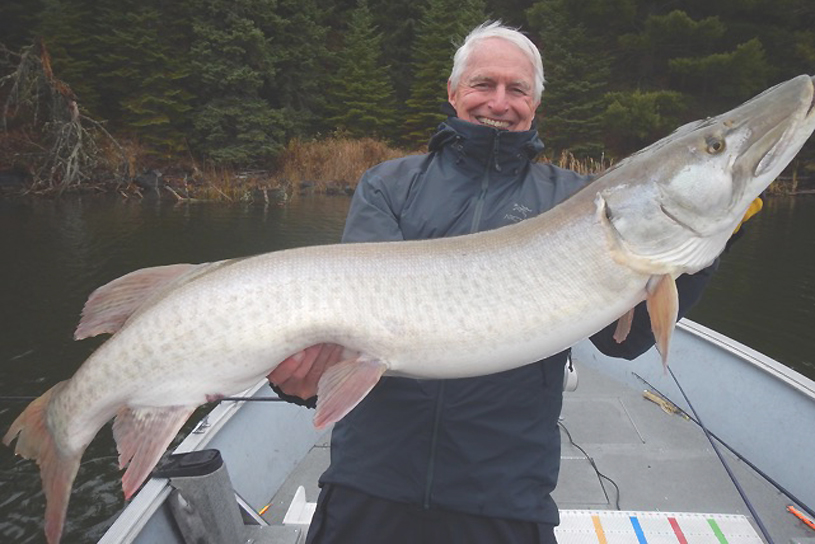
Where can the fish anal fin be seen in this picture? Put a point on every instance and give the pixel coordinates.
(624, 326)
(142, 435)
(663, 309)
(109, 306)
(343, 386)
(58, 468)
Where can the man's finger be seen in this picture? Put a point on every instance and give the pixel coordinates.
(285, 369)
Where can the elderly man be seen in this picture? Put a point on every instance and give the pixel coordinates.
(469, 460)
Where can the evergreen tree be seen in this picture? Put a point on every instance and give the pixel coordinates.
(634, 119)
(577, 73)
(145, 75)
(730, 77)
(232, 60)
(18, 22)
(397, 23)
(443, 26)
(669, 36)
(360, 95)
(69, 29)
(296, 37)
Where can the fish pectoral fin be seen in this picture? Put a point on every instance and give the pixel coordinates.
(624, 326)
(662, 302)
(58, 468)
(142, 435)
(343, 386)
(109, 306)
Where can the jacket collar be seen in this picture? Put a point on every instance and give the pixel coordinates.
(501, 150)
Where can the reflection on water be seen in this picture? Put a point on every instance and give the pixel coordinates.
(57, 252)
(764, 292)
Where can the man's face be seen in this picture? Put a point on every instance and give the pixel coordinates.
(496, 87)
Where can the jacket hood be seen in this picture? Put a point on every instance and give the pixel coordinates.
(500, 149)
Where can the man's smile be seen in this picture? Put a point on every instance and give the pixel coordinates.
(493, 122)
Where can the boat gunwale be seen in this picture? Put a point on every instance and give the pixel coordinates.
(757, 359)
(136, 514)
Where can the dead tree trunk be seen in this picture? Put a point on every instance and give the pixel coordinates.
(50, 137)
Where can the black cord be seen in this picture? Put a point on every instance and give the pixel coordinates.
(593, 465)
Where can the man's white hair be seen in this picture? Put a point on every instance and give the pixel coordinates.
(496, 29)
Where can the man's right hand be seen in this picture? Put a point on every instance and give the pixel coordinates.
(299, 374)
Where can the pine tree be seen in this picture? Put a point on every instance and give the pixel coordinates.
(232, 62)
(668, 36)
(145, 75)
(297, 37)
(18, 22)
(360, 95)
(69, 29)
(730, 77)
(397, 22)
(577, 72)
(443, 26)
(634, 119)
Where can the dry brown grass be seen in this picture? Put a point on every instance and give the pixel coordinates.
(331, 163)
(581, 166)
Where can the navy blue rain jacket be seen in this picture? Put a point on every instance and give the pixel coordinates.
(488, 445)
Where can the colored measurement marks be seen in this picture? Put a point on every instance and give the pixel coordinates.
(611, 527)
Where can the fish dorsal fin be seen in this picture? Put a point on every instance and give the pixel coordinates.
(663, 308)
(343, 386)
(142, 435)
(107, 309)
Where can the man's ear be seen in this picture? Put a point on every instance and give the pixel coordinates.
(451, 93)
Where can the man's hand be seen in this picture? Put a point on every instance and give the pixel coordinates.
(754, 208)
(299, 374)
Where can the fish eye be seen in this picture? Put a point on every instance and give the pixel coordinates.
(715, 145)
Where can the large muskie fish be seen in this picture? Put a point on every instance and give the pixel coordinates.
(464, 306)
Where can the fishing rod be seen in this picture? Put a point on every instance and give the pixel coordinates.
(231, 399)
(726, 466)
(741, 458)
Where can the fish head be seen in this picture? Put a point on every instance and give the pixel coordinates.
(694, 186)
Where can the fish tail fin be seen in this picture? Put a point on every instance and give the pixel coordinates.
(57, 467)
(142, 435)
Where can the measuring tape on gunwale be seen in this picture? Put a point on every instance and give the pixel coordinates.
(613, 527)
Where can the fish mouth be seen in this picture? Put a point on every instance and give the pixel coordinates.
(812, 103)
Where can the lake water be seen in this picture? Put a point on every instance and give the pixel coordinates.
(55, 252)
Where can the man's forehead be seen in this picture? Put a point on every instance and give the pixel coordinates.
(496, 57)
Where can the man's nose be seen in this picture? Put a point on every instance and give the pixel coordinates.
(499, 102)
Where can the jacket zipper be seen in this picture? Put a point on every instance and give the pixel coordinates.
(485, 184)
(431, 464)
(434, 438)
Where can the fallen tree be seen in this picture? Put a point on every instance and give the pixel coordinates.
(46, 134)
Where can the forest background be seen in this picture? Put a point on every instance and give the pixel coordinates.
(228, 94)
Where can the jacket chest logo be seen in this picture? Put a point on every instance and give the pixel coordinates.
(518, 213)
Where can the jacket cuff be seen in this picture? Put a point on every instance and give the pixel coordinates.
(308, 403)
